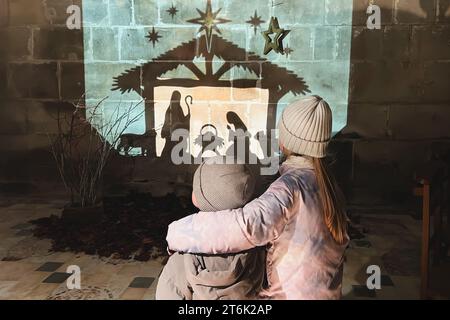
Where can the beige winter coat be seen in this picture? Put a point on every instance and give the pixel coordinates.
(303, 260)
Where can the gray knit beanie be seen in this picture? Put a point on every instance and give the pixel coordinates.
(219, 186)
(305, 126)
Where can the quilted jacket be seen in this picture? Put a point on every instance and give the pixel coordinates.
(303, 260)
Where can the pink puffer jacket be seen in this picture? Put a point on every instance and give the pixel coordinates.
(303, 260)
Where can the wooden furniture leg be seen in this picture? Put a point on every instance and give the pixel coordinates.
(425, 239)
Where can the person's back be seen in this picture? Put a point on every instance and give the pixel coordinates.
(301, 216)
(304, 262)
(226, 277)
(237, 276)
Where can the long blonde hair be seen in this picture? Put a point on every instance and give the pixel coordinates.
(331, 199)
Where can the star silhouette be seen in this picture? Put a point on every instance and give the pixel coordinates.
(288, 51)
(255, 21)
(208, 21)
(153, 36)
(172, 11)
(277, 43)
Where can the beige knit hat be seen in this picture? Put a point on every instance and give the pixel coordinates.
(305, 126)
(220, 186)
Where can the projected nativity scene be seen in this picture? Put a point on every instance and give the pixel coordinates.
(204, 96)
(113, 112)
(209, 105)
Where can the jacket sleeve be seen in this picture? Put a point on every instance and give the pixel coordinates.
(231, 231)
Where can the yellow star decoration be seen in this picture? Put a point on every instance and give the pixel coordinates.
(277, 43)
(208, 21)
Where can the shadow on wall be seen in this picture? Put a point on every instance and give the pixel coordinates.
(144, 79)
(38, 84)
(213, 119)
(399, 99)
(388, 65)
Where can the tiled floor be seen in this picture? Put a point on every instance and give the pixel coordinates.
(391, 242)
(29, 271)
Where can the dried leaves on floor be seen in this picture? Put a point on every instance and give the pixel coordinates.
(132, 227)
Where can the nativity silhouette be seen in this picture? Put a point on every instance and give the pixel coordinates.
(208, 137)
(175, 120)
(147, 78)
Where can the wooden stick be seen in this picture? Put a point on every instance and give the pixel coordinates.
(425, 240)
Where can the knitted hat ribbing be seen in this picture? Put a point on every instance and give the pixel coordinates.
(305, 127)
(219, 186)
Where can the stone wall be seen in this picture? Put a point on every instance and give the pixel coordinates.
(41, 69)
(399, 98)
(398, 90)
(116, 39)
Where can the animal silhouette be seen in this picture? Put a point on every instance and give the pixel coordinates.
(145, 141)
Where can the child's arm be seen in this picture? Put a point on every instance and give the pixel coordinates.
(230, 231)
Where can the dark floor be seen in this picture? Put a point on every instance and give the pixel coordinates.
(29, 271)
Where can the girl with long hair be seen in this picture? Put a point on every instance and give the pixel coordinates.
(300, 219)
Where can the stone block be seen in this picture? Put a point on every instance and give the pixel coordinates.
(16, 43)
(380, 82)
(338, 12)
(135, 46)
(241, 11)
(402, 156)
(385, 169)
(146, 12)
(105, 44)
(26, 12)
(58, 43)
(42, 116)
(324, 43)
(100, 77)
(419, 121)
(300, 40)
(366, 44)
(120, 12)
(396, 42)
(329, 80)
(431, 42)
(13, 117)
(415, 11)
(436, 82)
(72, 80)
(367, 120)
(23, 143)
(95, 13)
(3, 80)
(343, 43)
(301, 12)
(34, 80)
